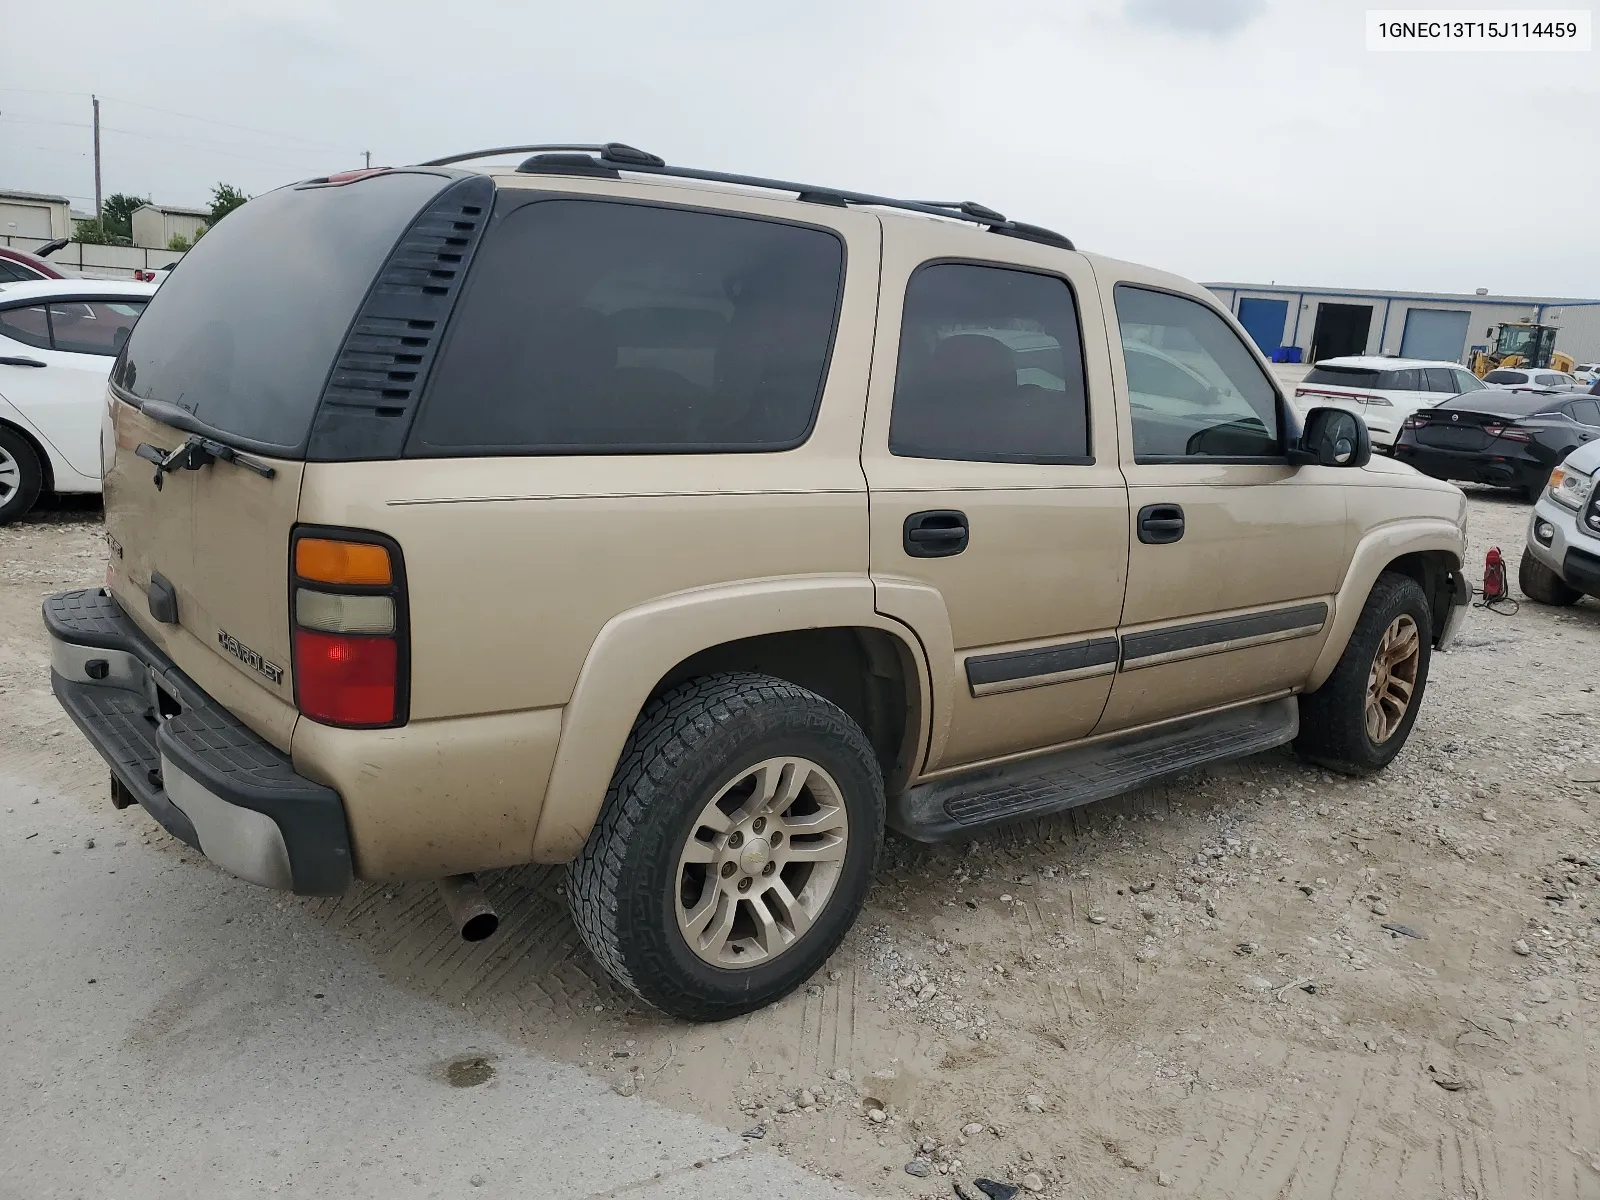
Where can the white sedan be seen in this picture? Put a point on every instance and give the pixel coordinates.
(58, 339)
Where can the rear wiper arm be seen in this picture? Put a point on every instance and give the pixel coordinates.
(197, 452)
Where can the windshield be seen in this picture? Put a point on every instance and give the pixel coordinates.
(1516, 340)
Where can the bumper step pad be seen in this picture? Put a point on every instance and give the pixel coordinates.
(203, 741)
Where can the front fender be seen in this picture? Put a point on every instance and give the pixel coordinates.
(636, 649)
(1376, 550)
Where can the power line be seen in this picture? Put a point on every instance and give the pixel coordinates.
(172, 112)
(206, 145)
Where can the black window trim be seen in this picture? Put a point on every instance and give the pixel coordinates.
(1282, 405)
(1036, 460)
(511, 200)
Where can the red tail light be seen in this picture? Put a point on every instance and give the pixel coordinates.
(351, 654)
(345, 680)
(1413, 422)
(1508, 434)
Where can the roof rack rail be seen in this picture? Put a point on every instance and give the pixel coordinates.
(618, 156)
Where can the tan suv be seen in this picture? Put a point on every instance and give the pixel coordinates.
(691, 529)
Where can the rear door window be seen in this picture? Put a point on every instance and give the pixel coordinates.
(1408, 379)
(990, 368)
(1585, 412)
(93, 326)
(28, 325)
(598, 327)
(1441, 379)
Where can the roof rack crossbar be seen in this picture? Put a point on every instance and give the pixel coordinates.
(628, 158)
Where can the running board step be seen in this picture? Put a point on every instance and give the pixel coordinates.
(1051, 783)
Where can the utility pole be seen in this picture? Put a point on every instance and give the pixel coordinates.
(368, 153)
(95, 100)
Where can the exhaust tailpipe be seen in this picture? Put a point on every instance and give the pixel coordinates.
(469, 908)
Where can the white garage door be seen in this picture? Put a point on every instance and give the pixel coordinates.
(24, 220)
(1435, 333)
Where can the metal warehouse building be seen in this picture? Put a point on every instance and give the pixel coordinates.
(1326, 323)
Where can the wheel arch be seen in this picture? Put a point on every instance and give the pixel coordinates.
(1427, 550)
(40, 450)
(821, 633)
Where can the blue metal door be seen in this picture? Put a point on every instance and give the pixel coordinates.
(1264, 321)
(1435, 333)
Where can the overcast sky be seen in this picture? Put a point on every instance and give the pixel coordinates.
(1248, 140)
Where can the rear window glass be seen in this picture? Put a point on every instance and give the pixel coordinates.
(244, 336)
(1509, 404)
(589, 326)
(93, 326)
(1505, 377)
(1350, 377)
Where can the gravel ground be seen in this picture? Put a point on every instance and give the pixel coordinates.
(1259, 980)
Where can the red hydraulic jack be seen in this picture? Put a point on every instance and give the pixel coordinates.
(1494, 577)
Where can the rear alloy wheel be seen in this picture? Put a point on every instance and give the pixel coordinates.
(1359, 719)
(762, 862)
(21, 476)
(734, 848)
(1539, 582)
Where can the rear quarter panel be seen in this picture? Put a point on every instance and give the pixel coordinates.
(515, 564)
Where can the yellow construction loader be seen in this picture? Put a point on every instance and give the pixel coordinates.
(1521, 344)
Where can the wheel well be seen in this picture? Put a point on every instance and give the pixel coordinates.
(1435, 572)
(868, 673)
(49, 484)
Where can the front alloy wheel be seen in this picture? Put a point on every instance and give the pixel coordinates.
(1393, 678)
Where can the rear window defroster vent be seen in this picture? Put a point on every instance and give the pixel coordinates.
(373, 388)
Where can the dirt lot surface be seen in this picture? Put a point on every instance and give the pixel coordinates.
(1257, 981)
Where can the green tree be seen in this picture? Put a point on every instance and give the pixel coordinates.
(224, 199)
(116, 217)
(177, 242)
(115, 226)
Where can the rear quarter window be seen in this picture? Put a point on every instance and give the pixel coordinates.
(599, 327)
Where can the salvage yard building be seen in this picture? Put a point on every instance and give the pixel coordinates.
(1328, 322)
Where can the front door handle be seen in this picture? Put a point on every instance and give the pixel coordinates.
(20, 362)
(936, 533)
(1160, 524)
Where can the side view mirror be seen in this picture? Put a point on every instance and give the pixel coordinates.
(1332, 438)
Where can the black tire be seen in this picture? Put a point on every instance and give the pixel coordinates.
(1532, 491)
(16, 499)
(1333, 727)
(1539, 582)
(686, 745)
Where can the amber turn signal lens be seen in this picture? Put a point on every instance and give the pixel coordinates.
(327, 561)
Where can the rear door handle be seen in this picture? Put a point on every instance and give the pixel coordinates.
(936, 533)
(20, 362)
(1160, 524)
